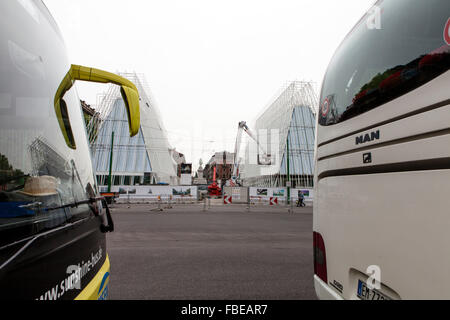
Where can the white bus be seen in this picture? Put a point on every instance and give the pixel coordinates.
(382, 207)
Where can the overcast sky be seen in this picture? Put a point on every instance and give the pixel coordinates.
(209, 63)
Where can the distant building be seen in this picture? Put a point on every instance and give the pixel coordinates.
(185, 174)
(290, 118)
(178, 157)
(184, 170)
(143, 159)
(223, 162)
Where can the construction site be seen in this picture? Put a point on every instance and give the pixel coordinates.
(162, 150)
(248, 201)
(272, 161)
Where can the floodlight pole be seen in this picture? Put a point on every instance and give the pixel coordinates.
(110, 162)
(288, 174)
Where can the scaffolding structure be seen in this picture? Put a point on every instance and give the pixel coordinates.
(147, 153)
(288, 118)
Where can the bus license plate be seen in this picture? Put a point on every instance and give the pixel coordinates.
(364, 293)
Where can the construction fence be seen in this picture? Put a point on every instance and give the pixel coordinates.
(190, 194)
(265, 196)
(155, 194)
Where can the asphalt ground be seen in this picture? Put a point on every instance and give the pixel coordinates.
(224, 253)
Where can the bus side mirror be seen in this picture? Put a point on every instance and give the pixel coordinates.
(128, 90)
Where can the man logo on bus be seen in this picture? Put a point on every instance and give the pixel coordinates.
(368, 137)
(447, 32)
(325, 107)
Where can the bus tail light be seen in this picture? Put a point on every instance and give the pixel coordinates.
(320, 258)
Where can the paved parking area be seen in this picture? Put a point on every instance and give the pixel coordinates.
(225, 252)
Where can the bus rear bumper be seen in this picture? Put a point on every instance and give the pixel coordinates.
(324, 291)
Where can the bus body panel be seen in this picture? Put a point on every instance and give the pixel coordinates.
(363, 223)
(97, 288)
(43, 270)
(382, 165)
(37, 246)
(423, 149)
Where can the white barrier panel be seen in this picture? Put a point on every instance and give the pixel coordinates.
(273, 201)
(238, 194)
(262, 195)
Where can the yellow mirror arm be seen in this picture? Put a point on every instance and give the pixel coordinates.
(130, 91)
(95, 75)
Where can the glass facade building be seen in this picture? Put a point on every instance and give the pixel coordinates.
(143, 159)
(286, 132)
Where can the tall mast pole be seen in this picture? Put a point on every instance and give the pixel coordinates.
(288, 173)
(110, 162)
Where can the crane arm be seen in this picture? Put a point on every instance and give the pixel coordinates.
(250, 133)
(243, 127)
(237, 147)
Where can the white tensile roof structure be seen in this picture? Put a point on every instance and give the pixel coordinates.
(146, 154)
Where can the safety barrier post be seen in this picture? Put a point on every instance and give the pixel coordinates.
(291, 207)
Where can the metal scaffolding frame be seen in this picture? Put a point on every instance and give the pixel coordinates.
(292, 112)
(149, 151)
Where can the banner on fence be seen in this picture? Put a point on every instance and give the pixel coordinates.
(308, 194)
(153, 192)
(262, 194)
(267, 193)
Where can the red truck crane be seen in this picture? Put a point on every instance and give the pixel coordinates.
(213, 188)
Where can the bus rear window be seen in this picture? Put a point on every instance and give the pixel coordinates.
(378, 63)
